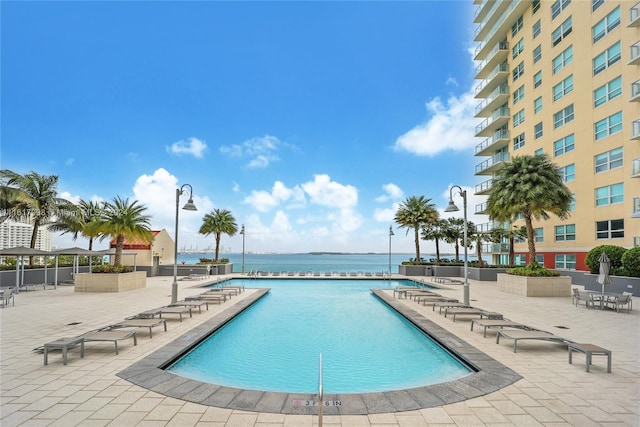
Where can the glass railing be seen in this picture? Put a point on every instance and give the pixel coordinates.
(503, 89)
(501, 68)
(488, 14)
(481, 207)
(505, 15)
(635, 89)
(634, 53)
(500, 112)
(501, 133)
(634, 13)
(635, 129)
(636, 207)
(635, 167)
(483, 186)
(500, 157)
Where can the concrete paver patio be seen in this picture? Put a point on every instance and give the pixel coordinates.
(87, 391)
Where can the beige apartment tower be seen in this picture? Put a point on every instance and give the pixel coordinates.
(563, 77)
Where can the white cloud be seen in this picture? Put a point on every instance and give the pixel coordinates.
(69, 161)
(192, 146)
(264, 201)
(322, 191)
(261, 151)
(451, 126)
(392, 192)
(385, 214)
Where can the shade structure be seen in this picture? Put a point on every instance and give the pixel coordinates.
(21, 252)
(605, 266)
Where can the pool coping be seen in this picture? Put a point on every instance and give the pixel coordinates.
(150, 374)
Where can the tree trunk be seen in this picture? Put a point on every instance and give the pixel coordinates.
(217, 245)
(512, 251)
(417, 241)
(437, 250)
(119, 247)
(34, 235)
(457, 251)
(479, 252)
(530, 237)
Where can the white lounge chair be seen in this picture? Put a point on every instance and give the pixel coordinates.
(517, 335)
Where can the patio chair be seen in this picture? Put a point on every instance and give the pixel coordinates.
(579, 295)
(8, 295)
(620, 301)
(517, 335)
(113, 336)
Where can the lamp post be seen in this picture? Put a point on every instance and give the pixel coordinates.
(242, 232)
(390, 234)
(189, 206)
(453, 208)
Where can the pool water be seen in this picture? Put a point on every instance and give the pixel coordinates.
(275, 344)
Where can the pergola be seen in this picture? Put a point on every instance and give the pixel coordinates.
(20, 252)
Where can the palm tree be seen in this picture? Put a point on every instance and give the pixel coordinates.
(32, 197)
(511, 234)
(217, 222)
(454, 232)
(531, 186)
(85, 222)
(123, 220)
(436, 233)
(416, 212)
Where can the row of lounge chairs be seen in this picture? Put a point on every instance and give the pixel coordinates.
(259, 273)
(506, 328)
(148, 319)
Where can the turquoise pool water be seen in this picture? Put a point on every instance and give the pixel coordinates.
(275, 344)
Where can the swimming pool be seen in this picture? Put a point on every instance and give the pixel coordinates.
(274, 345)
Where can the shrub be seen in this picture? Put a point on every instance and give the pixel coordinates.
(112, 269)
(214, 261)
(534, 269)
(613, 252)
(631, 262)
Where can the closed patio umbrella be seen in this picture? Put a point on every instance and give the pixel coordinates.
(605, 266)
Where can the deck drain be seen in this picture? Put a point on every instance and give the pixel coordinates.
(73, 323)
(561, 327)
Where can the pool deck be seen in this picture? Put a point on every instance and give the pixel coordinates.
(89, 391)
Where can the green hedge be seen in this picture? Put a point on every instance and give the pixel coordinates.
(108, 268)
(534, 270)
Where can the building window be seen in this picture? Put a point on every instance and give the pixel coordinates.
(563, 116)
(606, 59)
(536, 29)
(610, 229)
(518, 71)
(610, 194)
(607, 92)
(536, 5)
(563, 146)
(562, 60)
(558, 6)
(539, 233)
(596, 4)
(537, 54)
(517, 26)
(517, 48)
(518, 94)
(608, 126)
(563, 88)
(572, 204)
(520, 259)
(609, 160)
(518, 141)
(518, 118)
(561, 32)
(565, 232)
(539, 152)
(565, 261)
(568, 173)
(537, 105)
(538, 130)
(537, 79)
(606, 24)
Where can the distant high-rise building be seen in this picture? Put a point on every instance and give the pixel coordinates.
(563, 78)
(14, 234)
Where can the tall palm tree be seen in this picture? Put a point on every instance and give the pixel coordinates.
(435, 232)
(218, 222)
(85, 222)
(531, 186)
(34, 198)
(123, 220)
(416, 212)
(454, 232)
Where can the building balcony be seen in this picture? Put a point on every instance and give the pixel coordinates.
(636, 208)
(498, 97)
(482, 10)
(493, 35)
(496, 56)
(489, 166)
(634, 15)
(500, 248)
(635, 168)
(635, 130)
(492, 144)
(492, 14)
(634, 54)
(635, 91)
(485, 227)
(499, 118)
(495, 79)
(481, 208)
(484, 187)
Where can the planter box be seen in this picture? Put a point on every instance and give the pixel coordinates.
(104, 282)
(415, 270)
(558, 286)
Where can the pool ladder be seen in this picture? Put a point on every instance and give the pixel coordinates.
(320, 393)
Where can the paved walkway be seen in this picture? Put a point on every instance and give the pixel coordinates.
(87, 392)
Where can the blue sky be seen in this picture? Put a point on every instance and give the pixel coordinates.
(309, 121)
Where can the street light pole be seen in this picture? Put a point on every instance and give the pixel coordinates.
(390, 234)
(242, 232)
(189, 206)
(453, 208)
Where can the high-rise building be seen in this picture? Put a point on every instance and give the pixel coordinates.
(13, 234)
(563, 78)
